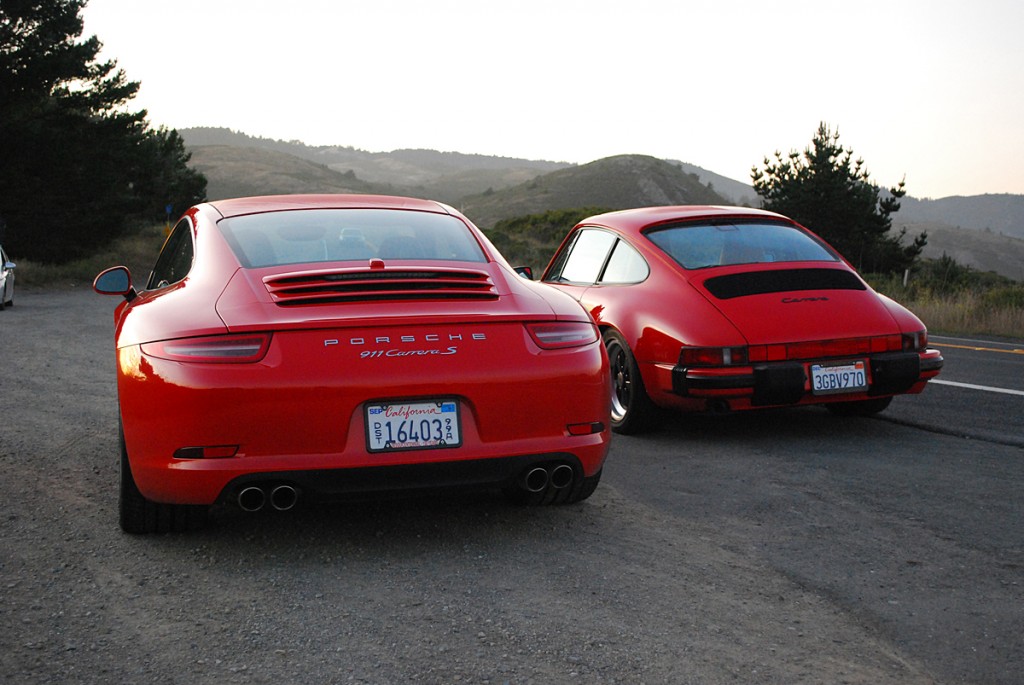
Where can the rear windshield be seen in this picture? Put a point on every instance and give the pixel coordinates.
(329, 235)
(697, 246)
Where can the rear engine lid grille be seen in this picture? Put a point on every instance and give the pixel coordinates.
(366, 285)
(785, 280)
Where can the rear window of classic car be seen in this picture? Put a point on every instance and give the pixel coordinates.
(698, 246)
(327, 235)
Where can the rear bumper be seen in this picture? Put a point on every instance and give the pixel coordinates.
(787, 383)
(333, 485)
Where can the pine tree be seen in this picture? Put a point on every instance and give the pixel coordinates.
(829, 192)
(78, 166)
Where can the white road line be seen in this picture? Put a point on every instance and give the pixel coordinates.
(971, 386)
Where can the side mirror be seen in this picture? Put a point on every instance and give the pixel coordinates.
(524, 271)
(116, 280)
(9, 265)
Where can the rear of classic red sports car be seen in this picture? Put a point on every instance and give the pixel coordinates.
(325, 347)
(717, 309)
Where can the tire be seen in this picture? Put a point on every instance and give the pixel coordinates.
(860, 407)
(138, 515)
(632, 410)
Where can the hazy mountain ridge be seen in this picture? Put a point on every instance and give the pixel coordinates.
(985, 232)
(996, 213)
(614, 182)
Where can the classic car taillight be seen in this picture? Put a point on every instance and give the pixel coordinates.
(559, 334)
(221, 349)
(713, 356)
(916, 341)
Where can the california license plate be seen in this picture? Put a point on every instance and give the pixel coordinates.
(832, 379)
(431, 424)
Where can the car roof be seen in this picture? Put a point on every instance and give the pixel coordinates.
(275, 203)
(641, 217)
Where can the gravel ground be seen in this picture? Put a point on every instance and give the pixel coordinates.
(615, 589)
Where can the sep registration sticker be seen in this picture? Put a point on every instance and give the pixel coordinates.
(430, 424)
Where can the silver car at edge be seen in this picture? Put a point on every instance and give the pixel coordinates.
(6, 280)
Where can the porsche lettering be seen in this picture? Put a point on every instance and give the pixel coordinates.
(408, 339)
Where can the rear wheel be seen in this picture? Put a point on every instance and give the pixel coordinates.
(860, 407)
(140, 515)
(632, 410)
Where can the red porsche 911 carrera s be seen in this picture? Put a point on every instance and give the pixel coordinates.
(320, 347)
(718, 309)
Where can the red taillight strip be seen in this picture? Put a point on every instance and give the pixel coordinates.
(220, 349)
(816, 349)
(820, 349)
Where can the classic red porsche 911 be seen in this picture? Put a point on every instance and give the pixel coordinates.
(719, 308)
(325, 346)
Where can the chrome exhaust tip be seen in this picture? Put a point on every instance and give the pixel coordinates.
(284, 497)
(536, 479)
(251, 499)
(562, 476)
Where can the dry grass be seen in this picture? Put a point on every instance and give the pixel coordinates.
(968, 313)
(138, 252)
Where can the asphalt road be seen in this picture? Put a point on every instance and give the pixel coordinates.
(777, 547)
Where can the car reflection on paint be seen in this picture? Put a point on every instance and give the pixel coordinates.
(328, 347)
(720, 309)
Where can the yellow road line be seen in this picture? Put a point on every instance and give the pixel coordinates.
(980, 349)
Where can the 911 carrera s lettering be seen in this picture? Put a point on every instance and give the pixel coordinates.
(374, 354)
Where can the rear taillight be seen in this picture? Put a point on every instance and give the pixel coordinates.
(560, 334)
(713, 356)
(219, 349)
(915, 342)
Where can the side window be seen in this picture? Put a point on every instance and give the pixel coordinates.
(175, 260)
(625, 266)
(586, 258)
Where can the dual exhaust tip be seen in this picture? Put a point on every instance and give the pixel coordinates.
(284, 497)
(279, 497)
(539, 478)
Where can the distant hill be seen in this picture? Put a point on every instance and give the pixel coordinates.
(444, 176)
(240, 171)
(614, 182)
(985, 232)
(991, 213)
(980, 250)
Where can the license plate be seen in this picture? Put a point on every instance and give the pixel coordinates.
(832, 379)
(431, 424)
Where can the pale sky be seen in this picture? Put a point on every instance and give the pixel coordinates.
(929, 90)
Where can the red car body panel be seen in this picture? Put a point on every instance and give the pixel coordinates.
(299, 408)
(673, 309)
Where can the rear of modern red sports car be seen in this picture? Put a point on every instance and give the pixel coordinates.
(329, 347)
